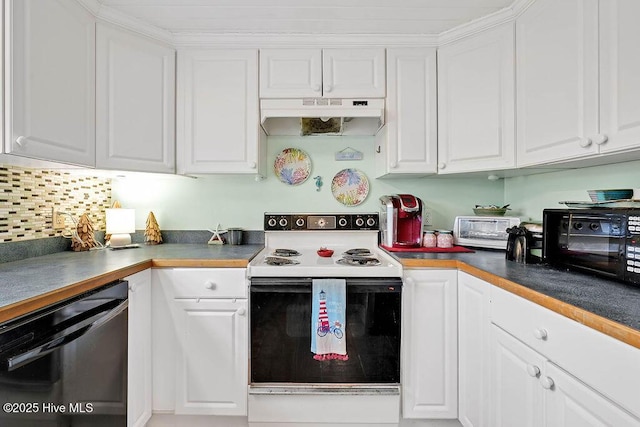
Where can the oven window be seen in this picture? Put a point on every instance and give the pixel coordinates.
(281, 334)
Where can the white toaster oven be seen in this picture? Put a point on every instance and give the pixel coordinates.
(483, 231)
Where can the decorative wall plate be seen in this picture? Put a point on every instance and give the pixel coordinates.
(292, 166)
(350, 187)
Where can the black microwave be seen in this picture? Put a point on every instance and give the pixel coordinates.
(604, 241)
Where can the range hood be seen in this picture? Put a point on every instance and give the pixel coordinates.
(321, 116)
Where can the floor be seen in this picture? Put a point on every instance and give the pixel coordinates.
(201, 421)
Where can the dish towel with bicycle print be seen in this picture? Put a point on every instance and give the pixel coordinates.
(328, 319)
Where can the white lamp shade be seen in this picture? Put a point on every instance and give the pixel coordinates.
(121, 221)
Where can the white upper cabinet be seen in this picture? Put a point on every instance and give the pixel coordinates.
(557, 81)
(218, 123)
(407, 144)
(578, 94)
(619, 75)
(330, 73)
(135, 102)
(50, 81)
(476, 102)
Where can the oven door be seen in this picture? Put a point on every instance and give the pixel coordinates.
(281, 333)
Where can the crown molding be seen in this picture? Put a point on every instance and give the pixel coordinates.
(503, 16)
(185, 40)
(115, 17)
(261, 40)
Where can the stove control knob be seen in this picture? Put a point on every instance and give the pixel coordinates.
(300, 222)
(371, 222)
(272, 222)
(359, 221)
(283, 222)
(342, 222)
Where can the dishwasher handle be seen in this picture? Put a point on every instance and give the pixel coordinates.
(29, 356)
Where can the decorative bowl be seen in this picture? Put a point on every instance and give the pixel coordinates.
(490, 210)
(606, 195)
(324, 252)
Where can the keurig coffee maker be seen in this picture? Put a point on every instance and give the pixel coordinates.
(401, 221)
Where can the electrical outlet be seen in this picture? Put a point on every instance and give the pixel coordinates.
(58, 220)
(426, 217)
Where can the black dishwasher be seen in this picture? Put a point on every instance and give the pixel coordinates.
(66, 365)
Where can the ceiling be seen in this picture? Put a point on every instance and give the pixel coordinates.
(375, 17)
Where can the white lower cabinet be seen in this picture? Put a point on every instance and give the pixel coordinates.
(548, 370)
(429, 344)
(473, 350)
(201, 342)
(529, 390)
(515, 390)
(139, 393)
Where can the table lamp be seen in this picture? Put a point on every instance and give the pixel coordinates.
(120, 222)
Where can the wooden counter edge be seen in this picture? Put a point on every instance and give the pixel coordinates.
(21, 308)
(199, 263)
(608, 327)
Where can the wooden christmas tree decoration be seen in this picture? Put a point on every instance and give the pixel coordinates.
(84, 238)
(152, 232)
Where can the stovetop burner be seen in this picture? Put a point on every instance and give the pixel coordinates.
(359, 252)
(286, 252)
(358, 260)
(277, 260)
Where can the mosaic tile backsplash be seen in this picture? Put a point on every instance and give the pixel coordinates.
(27, 197)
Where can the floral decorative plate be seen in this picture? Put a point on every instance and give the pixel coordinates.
(292, 166)
(350, 187)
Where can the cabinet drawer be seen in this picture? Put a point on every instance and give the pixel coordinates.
(209, 283)
(604, 363)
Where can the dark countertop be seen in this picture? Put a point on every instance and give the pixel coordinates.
(609, 299)
(64, 274)
(608, 306)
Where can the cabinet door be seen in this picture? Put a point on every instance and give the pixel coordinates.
(407, 145)
(135, 102)
(429, 349)
(218, 121)
(473, 350)
(570, 403)
(50, 110)
(353, 73)
(140, 390)
(212, 358)
(619, 71)
(516, 394)
(476, 102)
(557, 81)
(290, 73)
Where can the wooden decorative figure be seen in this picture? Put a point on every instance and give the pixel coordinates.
(152, 233)
(83, 239)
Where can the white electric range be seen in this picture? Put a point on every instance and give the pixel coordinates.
(292, 242)
(288, 384)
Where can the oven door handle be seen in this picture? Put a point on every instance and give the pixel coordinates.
(51, 345)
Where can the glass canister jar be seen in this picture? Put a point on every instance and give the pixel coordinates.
(445, 239)
(429, 239)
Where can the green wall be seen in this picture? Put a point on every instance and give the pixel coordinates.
(182, 203)
(529, 195)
